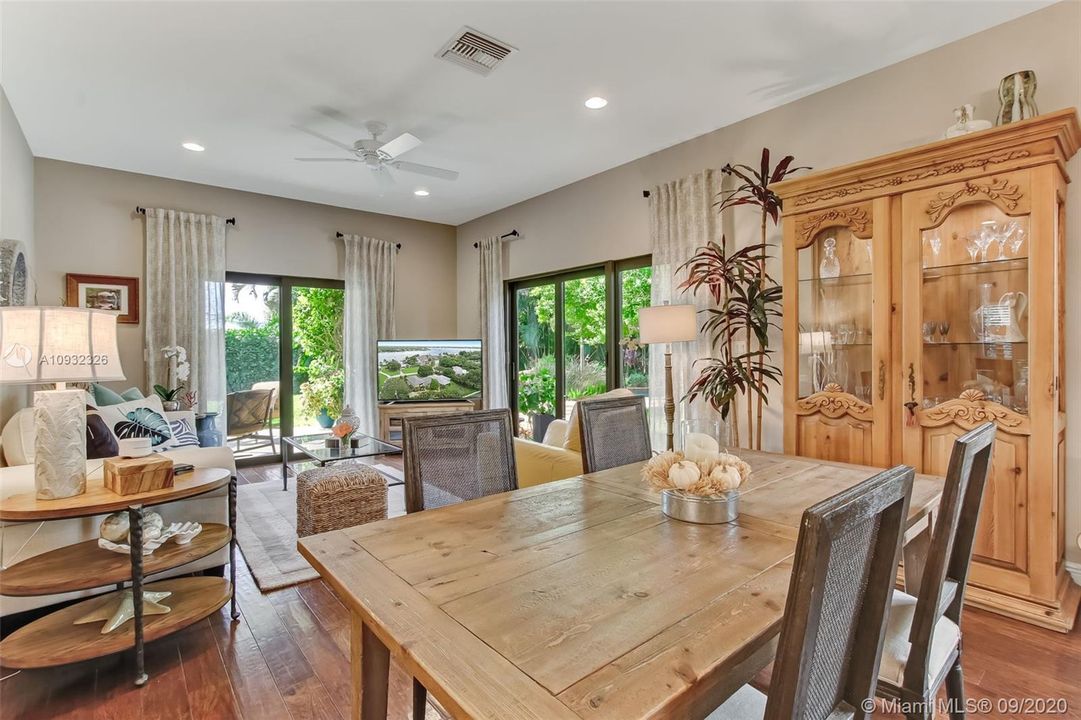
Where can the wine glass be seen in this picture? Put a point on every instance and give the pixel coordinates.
(929, 327)
(943, 329)
(934, 241)
(1018, 239)
(986, 235)
(972, 244)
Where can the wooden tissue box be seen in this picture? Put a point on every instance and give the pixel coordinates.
(128, 476)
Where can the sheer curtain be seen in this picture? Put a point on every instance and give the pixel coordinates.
(682, 219)
(369, 317)
(185, 300)
(492, 324)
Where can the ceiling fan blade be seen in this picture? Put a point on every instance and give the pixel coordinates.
(425, 170)
(324, 138)
(383, 178)
(327, 159)
(400, 145)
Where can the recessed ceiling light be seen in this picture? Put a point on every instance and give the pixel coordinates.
(596, 103)
(421, 192)
(193, 146)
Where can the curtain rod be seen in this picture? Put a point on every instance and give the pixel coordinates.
(341, 235)
(228, 221)
(512, 233)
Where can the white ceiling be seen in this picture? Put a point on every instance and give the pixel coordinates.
(121, 85)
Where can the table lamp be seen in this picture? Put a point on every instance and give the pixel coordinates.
(666, 324)
(58, 345)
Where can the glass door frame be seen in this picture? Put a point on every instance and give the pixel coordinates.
(285, 285)
(610, 270)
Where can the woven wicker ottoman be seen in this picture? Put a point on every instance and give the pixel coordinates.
(339, 496)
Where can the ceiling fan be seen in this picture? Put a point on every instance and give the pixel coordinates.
(379, 155)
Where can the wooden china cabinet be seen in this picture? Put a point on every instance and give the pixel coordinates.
(923, 296)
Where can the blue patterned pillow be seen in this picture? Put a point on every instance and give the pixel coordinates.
(183, 435)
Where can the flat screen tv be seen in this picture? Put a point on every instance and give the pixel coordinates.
(429, 370)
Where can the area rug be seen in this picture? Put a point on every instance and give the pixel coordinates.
(266, 532)
(266, 529)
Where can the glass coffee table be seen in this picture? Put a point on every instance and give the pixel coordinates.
(314, 448)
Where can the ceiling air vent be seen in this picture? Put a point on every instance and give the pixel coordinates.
(475, 51)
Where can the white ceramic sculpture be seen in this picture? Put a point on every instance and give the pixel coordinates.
(59, 443)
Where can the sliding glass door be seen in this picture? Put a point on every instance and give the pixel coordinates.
(283, 360)
(573, 335)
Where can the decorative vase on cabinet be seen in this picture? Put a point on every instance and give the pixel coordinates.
(966, 276)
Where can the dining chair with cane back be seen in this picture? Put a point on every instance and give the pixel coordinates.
(834, 621)
(923, 635)
(614, 432)
(453, 458)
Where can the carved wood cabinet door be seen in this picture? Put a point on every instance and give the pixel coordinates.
(837, 325)
(968, 289)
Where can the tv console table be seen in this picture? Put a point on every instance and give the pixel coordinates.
(391, 414)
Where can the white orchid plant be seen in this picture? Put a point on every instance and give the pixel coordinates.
(179, 370)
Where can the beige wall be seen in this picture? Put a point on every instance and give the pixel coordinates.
(605, 217)
(16, 216)
(86, 224)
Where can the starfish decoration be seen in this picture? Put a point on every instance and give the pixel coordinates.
(118, 613)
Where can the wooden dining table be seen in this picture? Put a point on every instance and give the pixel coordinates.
(579, 598)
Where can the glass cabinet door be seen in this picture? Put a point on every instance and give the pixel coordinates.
(839, 342)
(974, 307)
(835, 314)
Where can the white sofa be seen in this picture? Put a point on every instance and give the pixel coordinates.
(19, 541)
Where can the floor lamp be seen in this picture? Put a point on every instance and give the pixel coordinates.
(663, 325)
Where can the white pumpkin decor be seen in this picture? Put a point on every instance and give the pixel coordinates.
(706, 474)
(684, 474)
(725, 477)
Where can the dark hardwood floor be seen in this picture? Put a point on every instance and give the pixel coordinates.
(288, 657)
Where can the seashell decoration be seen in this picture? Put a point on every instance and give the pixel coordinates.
(115, 527)
(183, 532)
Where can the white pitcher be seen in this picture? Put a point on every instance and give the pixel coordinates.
(1017, 302)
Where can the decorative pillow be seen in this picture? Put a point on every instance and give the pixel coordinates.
(183, 435)
(573, 439)
(139, 418)
(100, 442)
(103, 396)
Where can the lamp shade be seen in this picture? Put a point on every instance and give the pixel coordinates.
(667, 324)
(58, 344)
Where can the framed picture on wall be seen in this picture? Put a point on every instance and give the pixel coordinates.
(105, 292)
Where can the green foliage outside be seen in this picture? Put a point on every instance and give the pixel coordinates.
(318, 314)
(252, 348)
(584, 337)
(251, 356)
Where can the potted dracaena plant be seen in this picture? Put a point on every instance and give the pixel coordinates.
(747, 302)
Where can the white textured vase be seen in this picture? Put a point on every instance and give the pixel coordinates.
(60, 443)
